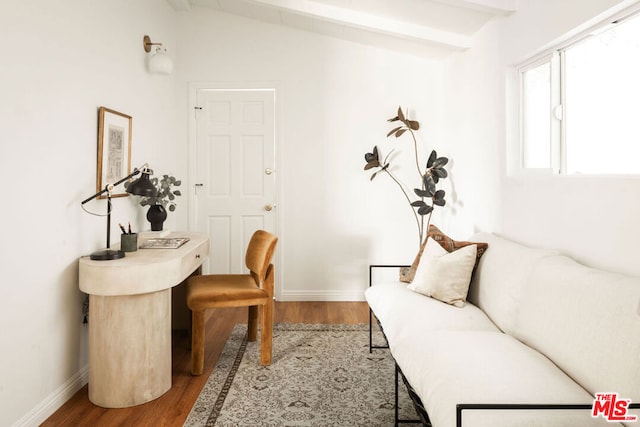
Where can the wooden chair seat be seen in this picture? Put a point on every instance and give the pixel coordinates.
(252, 290)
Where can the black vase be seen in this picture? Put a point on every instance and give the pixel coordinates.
(156, 216)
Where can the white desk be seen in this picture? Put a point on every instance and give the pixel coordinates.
(130, 319)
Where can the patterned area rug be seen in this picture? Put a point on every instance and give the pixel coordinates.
(321, 375)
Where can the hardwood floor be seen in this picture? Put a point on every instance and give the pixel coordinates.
(172, 408)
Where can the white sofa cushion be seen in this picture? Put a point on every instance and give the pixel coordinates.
(445, 275)
(499, 280)
(404, 313)
(450, 367)
(587, 321)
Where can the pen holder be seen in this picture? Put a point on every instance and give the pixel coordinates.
(129, 242)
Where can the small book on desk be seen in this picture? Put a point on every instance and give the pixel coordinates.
(164, 243)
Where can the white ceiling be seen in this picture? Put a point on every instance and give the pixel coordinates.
(431, 28)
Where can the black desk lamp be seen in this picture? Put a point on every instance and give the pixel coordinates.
(140, 187)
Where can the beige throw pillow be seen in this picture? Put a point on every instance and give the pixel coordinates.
(407, 273)
(445, 276)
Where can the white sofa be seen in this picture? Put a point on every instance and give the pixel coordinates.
(537, 328)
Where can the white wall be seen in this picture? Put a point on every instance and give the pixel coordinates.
(592, 219)
(336, 97)
(61, 61)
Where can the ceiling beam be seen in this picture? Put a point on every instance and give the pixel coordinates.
(377, 24)
(495, 7)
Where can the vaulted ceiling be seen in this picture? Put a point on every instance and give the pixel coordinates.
(431, 28)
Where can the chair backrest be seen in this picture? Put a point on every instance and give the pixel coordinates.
(259, 253)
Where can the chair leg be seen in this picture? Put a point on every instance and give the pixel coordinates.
(266, 333)
(197, 342)
(252, 324)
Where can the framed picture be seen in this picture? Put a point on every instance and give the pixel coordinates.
(114, 149)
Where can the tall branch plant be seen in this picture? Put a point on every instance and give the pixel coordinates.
(428, 195)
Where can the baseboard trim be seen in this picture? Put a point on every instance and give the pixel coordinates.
(322, 295)
(55, 400)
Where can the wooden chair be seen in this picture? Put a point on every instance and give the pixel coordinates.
(236, 290)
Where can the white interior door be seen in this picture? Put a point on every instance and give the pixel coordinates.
(235, 189)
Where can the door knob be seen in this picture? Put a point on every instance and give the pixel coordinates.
(268, 207)
(268, 171)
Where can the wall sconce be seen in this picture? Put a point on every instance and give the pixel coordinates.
(159, 62)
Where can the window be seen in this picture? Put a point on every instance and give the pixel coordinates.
(536, 124)
(580, 104)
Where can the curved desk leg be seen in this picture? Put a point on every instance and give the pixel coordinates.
(129, 348)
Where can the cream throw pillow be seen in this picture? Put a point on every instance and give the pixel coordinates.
(444, 275)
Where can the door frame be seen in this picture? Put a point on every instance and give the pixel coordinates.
(194, 87)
